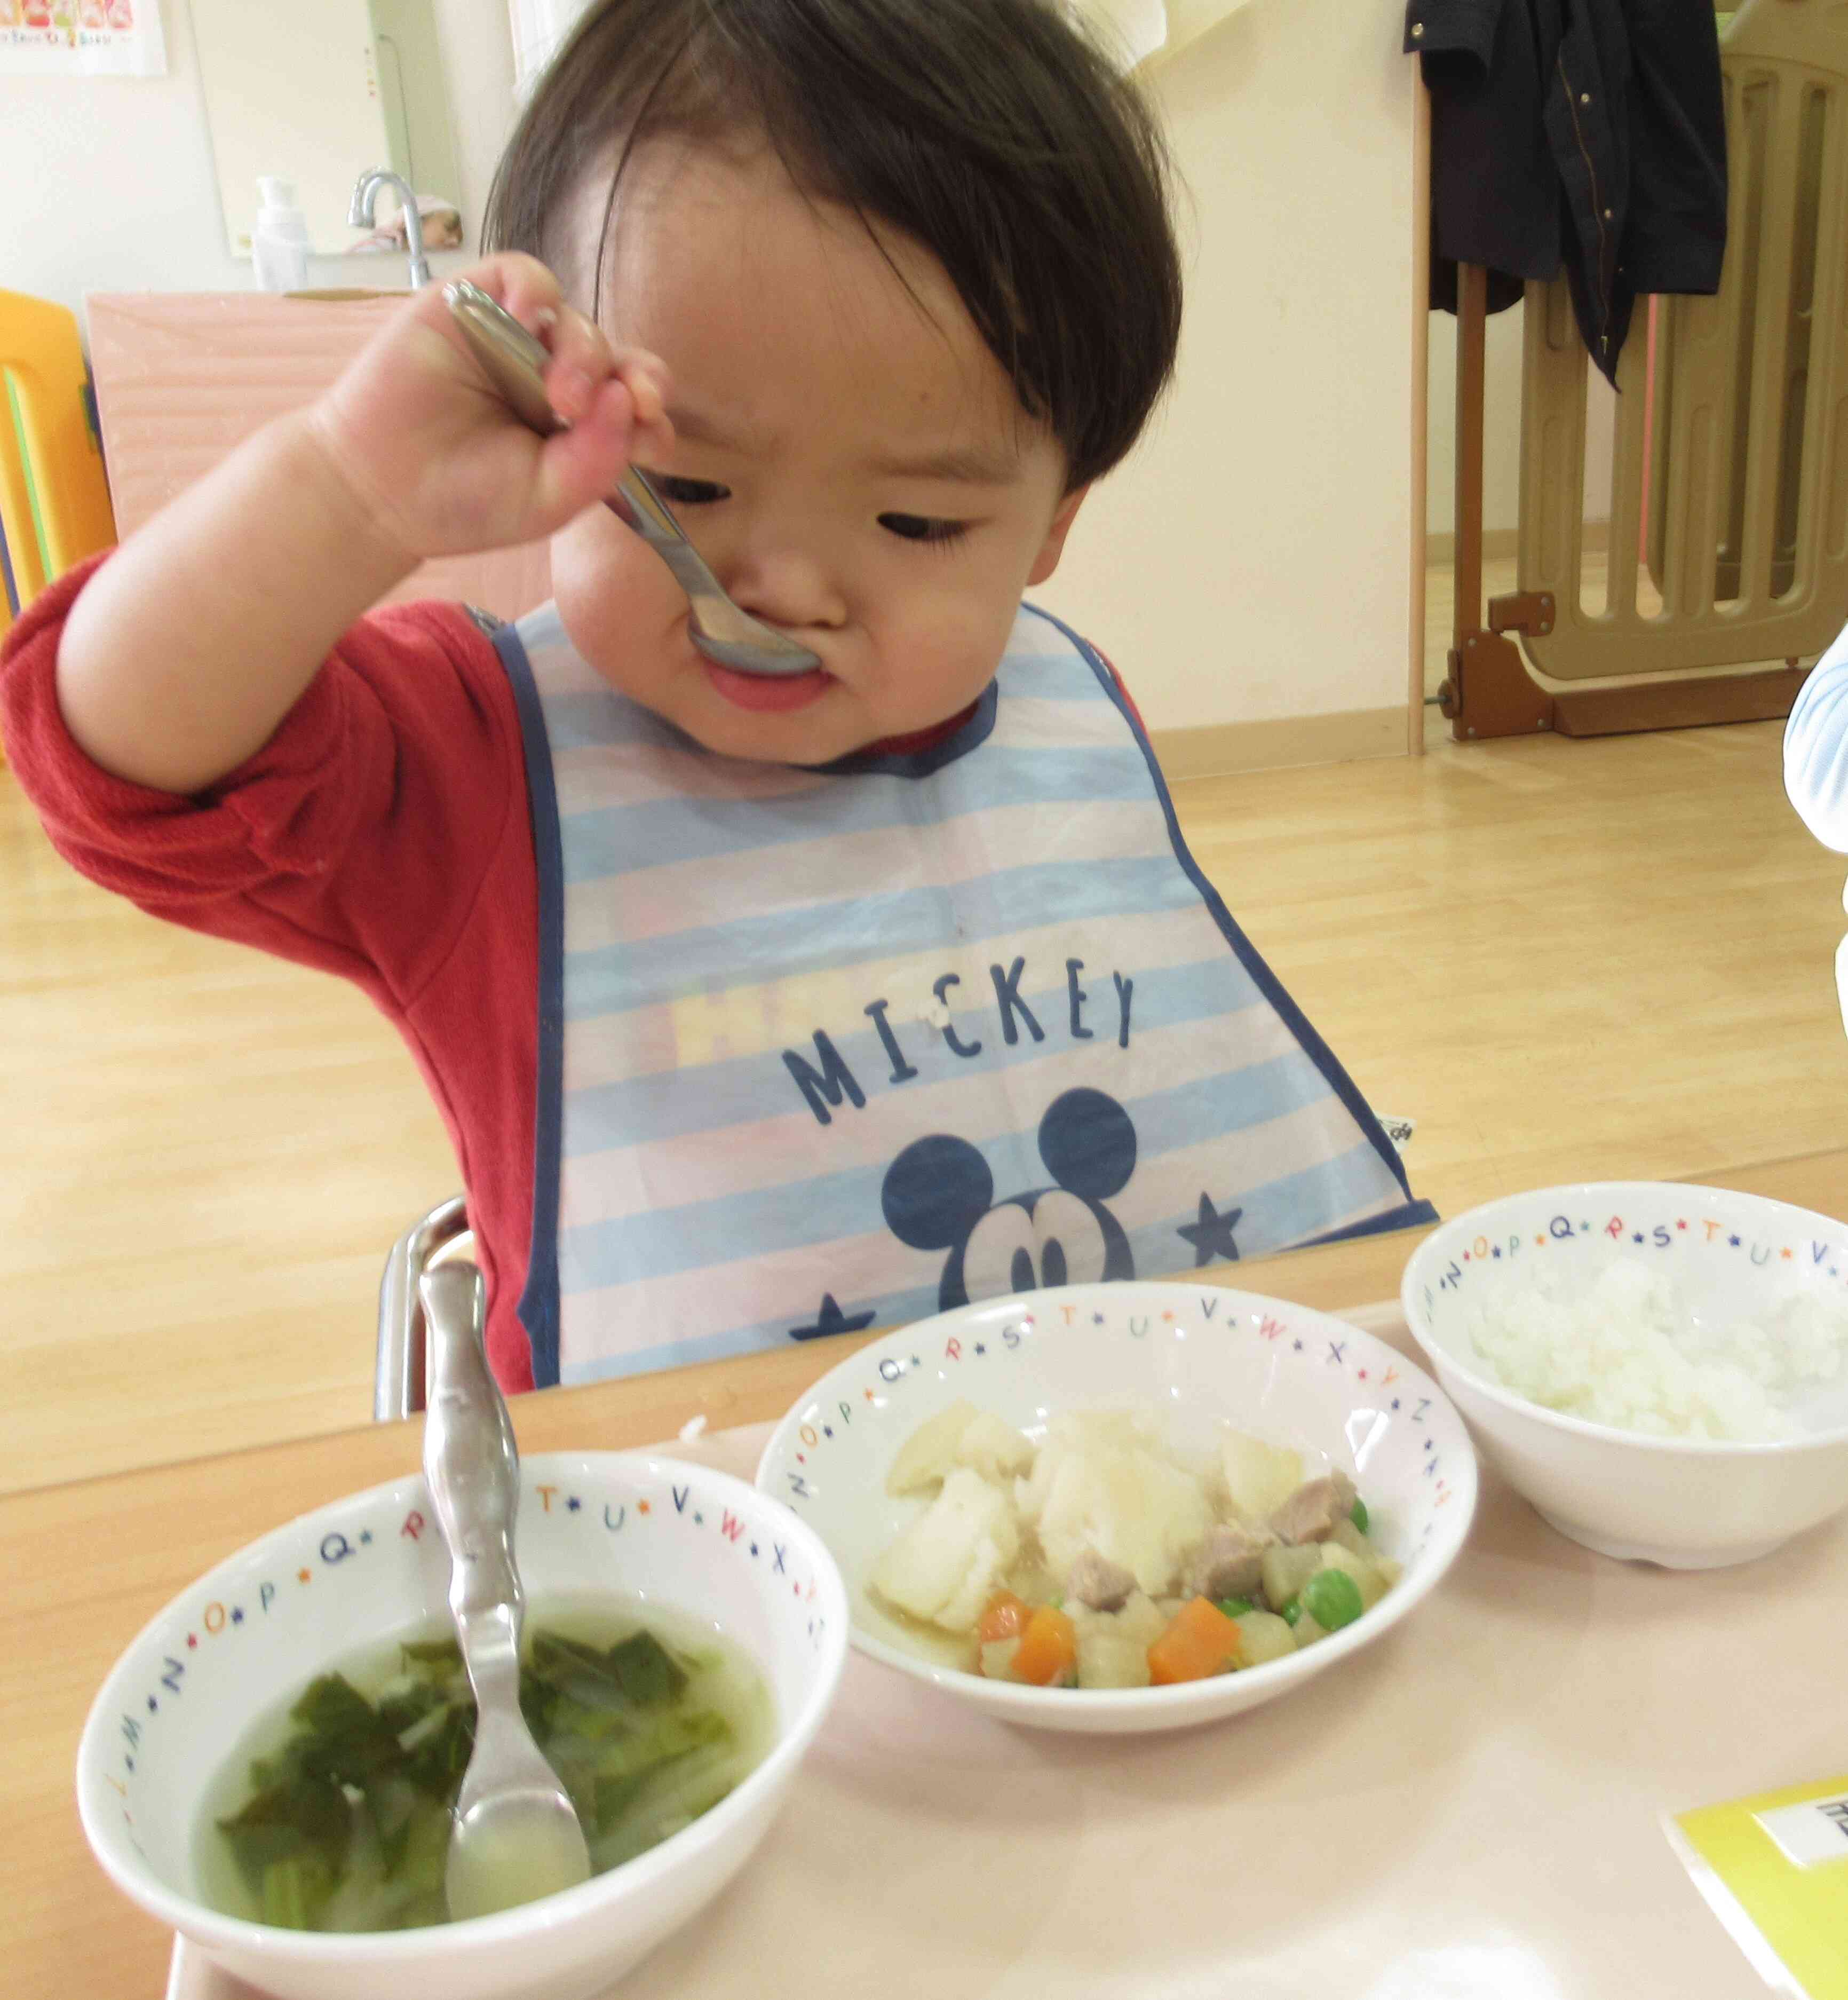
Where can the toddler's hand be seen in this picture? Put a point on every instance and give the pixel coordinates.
(438, 462)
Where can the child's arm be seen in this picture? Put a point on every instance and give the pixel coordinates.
(190, 645)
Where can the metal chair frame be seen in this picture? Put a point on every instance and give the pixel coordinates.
(399, 1379)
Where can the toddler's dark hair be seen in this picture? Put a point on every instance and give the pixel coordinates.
(989, 130)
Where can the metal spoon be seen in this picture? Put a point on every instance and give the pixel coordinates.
(515, 362)
(515, 1836)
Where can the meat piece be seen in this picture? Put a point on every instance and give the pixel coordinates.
(1310, 1513)
(1230, 1562)
(1098, 1581)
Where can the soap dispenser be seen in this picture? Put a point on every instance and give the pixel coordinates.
(279, 243)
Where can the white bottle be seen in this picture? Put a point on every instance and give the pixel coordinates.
(279, 243)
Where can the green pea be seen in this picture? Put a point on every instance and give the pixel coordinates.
(1357, 1514)
(1333, 1598)
(1236, 1607)
(1291, 1611)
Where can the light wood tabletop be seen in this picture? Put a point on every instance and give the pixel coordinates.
(89, 1562)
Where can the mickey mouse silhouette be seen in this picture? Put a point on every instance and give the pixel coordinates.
(939, 1194)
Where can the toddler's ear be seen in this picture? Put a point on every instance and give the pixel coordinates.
(1053, 546)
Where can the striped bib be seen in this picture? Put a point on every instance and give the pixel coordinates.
(824, 1050)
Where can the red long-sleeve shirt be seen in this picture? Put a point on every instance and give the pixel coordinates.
(382, 834)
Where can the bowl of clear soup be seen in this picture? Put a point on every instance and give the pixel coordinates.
(269, 1768)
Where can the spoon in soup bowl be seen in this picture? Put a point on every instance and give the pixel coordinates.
(515, 1836)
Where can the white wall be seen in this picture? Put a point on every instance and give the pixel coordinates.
(477, 40)
(109, 180)
(1250, 561)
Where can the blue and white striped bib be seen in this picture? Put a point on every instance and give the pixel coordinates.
(828, 1050)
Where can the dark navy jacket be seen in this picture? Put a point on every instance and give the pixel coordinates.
(1589, 133)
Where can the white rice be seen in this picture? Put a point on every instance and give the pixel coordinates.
(1627, 1352)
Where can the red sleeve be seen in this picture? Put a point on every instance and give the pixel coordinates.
(382, 834)
(355, 840)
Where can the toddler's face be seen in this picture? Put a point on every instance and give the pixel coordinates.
(856, 471)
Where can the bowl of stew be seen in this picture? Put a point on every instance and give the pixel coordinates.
(1116, 1509)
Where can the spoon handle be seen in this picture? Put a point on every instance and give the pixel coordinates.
(515, 362)
(471, 1466)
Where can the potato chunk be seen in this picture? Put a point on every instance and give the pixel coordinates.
(1287, 1570)
(1113, 1646)
(997, 1659)
(992, 1446)
(1141, 1620)
(1267, 1637)
(926, 1457)
(1259, 1477)
(1107, 1487)
(1110, 1659)
(948, 1563)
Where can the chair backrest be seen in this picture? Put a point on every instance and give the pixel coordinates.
(54, 499)
(1729, 530)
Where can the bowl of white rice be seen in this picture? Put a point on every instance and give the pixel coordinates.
(1661, 1369)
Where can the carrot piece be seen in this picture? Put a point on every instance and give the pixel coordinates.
(1004, 1617)
(1200, 1641)
(1048, 1648)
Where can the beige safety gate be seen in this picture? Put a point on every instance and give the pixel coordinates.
(1727, 543)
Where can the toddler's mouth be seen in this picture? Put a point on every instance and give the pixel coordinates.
(765, 694)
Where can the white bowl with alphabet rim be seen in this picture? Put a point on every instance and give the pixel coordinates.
(1194, 1355)
(702, 1546)
(1680, 1502)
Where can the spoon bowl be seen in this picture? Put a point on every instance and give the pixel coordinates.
(515, 364)
(514, 1844)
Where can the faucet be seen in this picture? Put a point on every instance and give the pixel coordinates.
(360, 216)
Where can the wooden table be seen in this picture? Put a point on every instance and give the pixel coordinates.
(1504, 1830)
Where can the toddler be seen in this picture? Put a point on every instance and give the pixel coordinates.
(757, 1009)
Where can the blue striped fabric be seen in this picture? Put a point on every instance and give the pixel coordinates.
(844, 1048)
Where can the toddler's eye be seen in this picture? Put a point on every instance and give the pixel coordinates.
(688, 492)
(922, 527)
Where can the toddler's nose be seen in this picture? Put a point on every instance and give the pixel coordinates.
(785, 586)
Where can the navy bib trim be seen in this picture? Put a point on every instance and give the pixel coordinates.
(539, 1301)
(1293, 1017)
(921, 763)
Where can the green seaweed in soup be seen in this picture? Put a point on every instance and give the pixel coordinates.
(332, 1814)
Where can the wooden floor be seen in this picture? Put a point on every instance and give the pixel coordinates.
(1609, 957)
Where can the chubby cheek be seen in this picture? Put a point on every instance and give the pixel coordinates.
(624, 612)
(934, 659)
